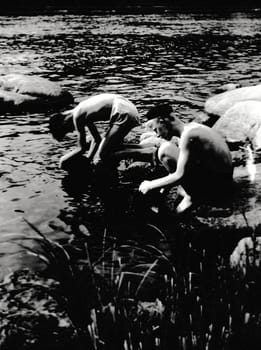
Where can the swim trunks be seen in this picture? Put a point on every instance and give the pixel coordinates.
(124, 119)
(124, 113)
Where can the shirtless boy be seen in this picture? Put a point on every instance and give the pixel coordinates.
(201, 164)
(120, 113)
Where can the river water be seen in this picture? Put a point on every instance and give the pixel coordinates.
(180, 58)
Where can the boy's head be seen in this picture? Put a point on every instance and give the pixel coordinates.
(59, 125)
(160, 119)
(160, 111)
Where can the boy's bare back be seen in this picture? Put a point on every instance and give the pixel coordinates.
(101, 107)
(206, 147)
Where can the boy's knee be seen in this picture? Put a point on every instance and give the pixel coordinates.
(167, 151)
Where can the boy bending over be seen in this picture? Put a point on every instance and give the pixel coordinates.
(201, 164)
(120, 113)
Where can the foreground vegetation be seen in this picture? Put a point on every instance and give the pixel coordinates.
(118, 294)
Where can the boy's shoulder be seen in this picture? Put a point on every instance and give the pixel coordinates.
(193, 129)
(195, 133)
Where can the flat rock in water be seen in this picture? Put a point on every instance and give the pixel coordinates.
(220, 103)
(137, 171)
(24, 93)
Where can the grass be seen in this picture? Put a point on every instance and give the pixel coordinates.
(133, 296)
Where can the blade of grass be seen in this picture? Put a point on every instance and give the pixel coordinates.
(158, 230)
(145, 276)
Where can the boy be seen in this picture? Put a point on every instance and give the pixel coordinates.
(121, 114)
(201, 164)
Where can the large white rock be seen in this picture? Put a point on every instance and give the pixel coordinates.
(220, 103)
(242, 123)
(22, 93)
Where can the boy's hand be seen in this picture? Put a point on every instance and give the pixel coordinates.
(145, 186)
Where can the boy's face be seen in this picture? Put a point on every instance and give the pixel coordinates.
(59, 133)
(162, 128)
(60, 127)
(59, 136)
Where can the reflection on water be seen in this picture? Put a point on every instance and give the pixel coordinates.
(180, 58)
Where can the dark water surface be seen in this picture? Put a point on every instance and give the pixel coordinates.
(180, 58)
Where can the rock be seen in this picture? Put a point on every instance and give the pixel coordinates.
(220, 103)
(204, 118)
(227, 87)
(77, 165)
(152, 312)
(137, 171)
(24, 93)
(242, 124)
(246, 257)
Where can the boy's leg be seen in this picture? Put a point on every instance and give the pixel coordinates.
(144, 151)
(168, 155)
(111, 141)
(112, 147)
(185, 204)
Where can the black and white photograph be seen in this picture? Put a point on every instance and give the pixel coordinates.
(130, 175)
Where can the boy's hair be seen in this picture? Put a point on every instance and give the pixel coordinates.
(160, 111)
(56, 126)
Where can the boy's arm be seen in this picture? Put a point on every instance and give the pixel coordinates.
(96, 140)
(173, 179)
(82, 145)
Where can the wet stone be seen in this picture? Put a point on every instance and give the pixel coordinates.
(220, 103)
(24, 93)
(241, 124)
